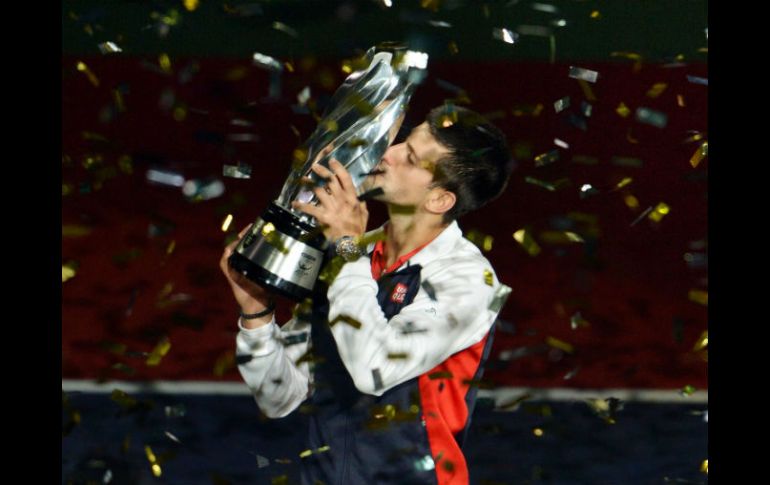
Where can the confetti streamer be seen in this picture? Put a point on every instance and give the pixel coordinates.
(525, 239)
(642, 215)
(584, 74)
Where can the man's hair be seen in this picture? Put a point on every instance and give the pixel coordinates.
(479, 162)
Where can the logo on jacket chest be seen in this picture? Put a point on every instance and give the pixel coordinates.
(399, 293)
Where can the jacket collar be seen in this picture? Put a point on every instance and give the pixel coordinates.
(442, 244)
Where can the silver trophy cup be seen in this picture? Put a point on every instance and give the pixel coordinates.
(285, 249)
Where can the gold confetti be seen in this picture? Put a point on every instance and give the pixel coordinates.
(687, 390)
(280, 479)
(631, 202)
(306, 453)
(224, 363)
(623, 110)
(680, 100)
(596, 14)
(632, 56)
(227, 222)
(630, 138)
(605, 408)
(81, 66)
(440, 375)
(153, 461)
(551, 187)
(191, 5)
(124, 400)
(699, 296)
(547, 158)
(537, 432)
(700, 153)
(482, 241)
(165, 63)
(704, 467)
(587, 91)
(525, 239)
(160, 351)
(660, 211)
(453, 49)
(560, 237)
(559, 344)
(696, 137)
(488, 277)
(346, 319)
(656, 90)
(74, 230)
(282, 27)
(396, 356)
(68, 271)
(702, 341)
(624, 182)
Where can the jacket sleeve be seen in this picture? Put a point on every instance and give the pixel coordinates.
(379, 353)
(267, 360)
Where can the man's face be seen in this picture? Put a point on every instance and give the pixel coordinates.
(408, 169)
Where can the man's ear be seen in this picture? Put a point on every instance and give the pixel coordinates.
(440, 201)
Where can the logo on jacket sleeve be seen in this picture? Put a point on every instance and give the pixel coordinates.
(399, 293)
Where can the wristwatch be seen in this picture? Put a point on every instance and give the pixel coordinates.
(347, 248)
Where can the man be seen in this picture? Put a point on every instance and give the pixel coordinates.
(389, 351)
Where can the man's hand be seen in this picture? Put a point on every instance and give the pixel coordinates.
(339, 211)
(251, 297)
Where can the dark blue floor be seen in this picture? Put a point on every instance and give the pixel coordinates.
(222, 436)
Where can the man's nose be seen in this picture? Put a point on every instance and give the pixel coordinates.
(391, 154)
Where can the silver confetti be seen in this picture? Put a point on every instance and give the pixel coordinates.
(501, 296)
(698, 80)
(651, 117)
(545, 7)
(303, 96)
(507, 36)
(561, 143)
(561, 104)
(267, 62)
(534, 30)
(584, 74)
(109, 48)
(172, 437)
(204, 189)
(377, 379)
(439, 23)
(262, 462)
(285, 29)
(165, 177)
(239, 171)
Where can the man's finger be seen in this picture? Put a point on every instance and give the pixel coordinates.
(342, 174)
(243, 231)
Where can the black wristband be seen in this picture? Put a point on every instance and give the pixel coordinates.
(266, 311)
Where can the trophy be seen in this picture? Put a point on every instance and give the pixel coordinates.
(285, 249)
